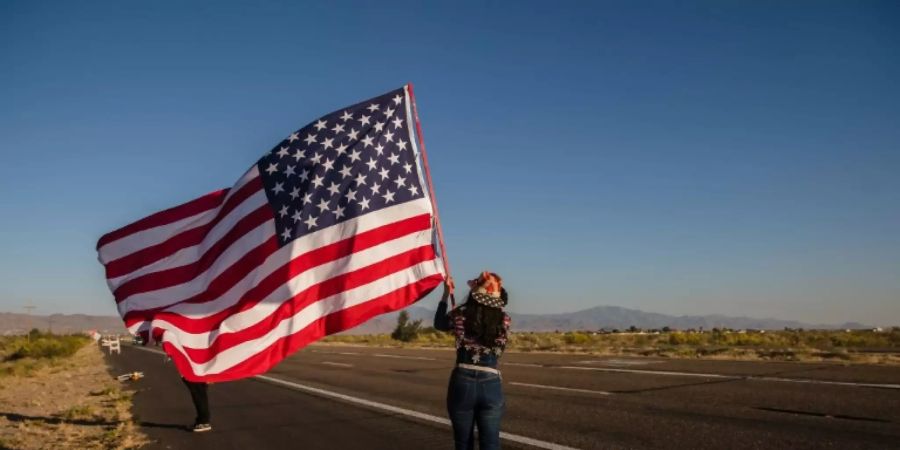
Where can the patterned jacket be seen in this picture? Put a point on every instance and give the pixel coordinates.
(468, 349)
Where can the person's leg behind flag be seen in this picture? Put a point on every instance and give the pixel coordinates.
(201, 405)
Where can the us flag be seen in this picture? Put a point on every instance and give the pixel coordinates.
(331, 227)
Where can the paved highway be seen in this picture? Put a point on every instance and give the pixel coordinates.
(358, 397)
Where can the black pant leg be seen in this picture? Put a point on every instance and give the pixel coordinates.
(200, 399)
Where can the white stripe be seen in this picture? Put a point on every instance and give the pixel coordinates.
(174, 294)
(298, 247)
(285, 292)
(228, 358)
(559, 388)
(192, 254)
(131, 243)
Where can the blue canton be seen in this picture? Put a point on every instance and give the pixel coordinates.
(348, 163)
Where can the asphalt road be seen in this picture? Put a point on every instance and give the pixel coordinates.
(394, 398)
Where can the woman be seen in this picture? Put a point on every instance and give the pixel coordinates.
(475, 395)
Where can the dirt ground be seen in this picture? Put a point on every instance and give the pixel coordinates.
(72, 403)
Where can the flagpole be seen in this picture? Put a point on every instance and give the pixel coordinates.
(437, 219)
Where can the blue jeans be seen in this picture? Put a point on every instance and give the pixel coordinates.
(475, 398)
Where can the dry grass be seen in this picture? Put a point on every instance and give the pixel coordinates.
(66, 402)
(851, 347)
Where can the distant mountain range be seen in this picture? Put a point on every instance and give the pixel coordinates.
(13, 323)
(599, 317)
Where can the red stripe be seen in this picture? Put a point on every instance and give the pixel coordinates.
(187, 238)
(305, 298)
(267, 358)
(178, 275)
(288, 271)
(183, 211)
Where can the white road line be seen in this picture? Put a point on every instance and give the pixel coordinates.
(337, 364)
(560, 388)
(385, 355)
(347, 353)
(406, 412)
(652, 372)
(521, 364)
(738, 377)
(395, 409)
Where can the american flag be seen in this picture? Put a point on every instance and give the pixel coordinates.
(330, 228)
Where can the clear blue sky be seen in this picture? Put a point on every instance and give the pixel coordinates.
(712, 157)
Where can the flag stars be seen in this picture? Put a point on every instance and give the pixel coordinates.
(338, 128)
(378, 126)
(284, 211)
(323, 205)
(379, 149)
(338, 212)
(318, 181)
(307, 198)
(289, 170)
(286, 234)
(388, 196)
(383, 173)
(413, 190)
(400, 182)
(376, 187)
(407, 167)
(299, 154)
(389, 112)
(372, 108)
(279, 188)
(394, 158)
(293, 137)
(328, 143)
(311, 221)
(398, 122)
(353, 134)
(321, 125)
(364, 204)
(401, 144)
(316, 158)
(346, 171)
(328, 164)
(350, 195)
(334, 188)
(372, 163)
(304, 176)
(341, 149)
(364, 120)
(296, 216)
(283, 152)
(273, 167)
(360, 180)
(389, 136)
(397, 99)
(310, 139)
(354, 155)
(367, 141)
(346, 116)
(295, 193)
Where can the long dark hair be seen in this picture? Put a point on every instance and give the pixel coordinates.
(484, 323)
